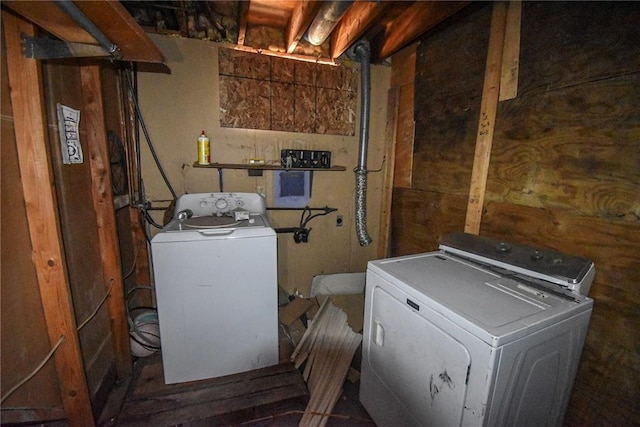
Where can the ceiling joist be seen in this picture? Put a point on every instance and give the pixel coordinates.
(358, 19)
(301, 18)
(415, 21)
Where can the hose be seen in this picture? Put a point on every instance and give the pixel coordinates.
(363, 51)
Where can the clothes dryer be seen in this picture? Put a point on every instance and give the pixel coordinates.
(481, 332)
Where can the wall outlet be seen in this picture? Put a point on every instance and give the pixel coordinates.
(260, 190)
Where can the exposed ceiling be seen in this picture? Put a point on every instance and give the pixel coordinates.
(288, 27)
(318, 31)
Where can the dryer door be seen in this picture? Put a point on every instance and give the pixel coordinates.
(421, 365)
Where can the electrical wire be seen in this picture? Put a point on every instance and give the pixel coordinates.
(143, 125)
(35, 371)
(133, 266)
(88, 319)
(307, 210)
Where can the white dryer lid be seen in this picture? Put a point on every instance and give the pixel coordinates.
(492, 306)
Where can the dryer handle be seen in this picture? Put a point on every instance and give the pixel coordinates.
(378, 333)
(214, 233)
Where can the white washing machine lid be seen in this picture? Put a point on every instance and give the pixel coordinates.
(212, 227)
(492, 306)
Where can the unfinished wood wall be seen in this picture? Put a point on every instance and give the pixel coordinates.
(564, 170)
(79, 224)
(78, 219)
(24, 331)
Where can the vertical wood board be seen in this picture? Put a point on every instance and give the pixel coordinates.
(23, 344)
(103, 205)
(486, 126)
(402, 80)
(511, 52)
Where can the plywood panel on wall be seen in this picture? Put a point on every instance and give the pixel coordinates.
(268, 93)
(449, 76)
(564, 170)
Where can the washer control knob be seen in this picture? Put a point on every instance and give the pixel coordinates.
(222, 204)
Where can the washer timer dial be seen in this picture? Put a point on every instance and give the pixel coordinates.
(222, 204)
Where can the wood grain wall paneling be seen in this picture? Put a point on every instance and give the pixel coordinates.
(449, 76)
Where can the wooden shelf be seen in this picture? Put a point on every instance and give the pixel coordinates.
(266, 167)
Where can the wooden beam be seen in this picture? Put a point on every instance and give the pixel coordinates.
(486, 125)
(267, 52)
(358, 19)
(511, 52)
(301, 17)
(415, 21)
(403, 71)
(93, 116)
(243, 19)
(109, 16)
(48, 257)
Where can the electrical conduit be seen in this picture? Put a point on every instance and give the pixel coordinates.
(363, 51)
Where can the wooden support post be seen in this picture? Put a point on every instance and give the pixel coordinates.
(403, 74)
(93, 115)
(511, 52)
(486, 125)
(48, 257)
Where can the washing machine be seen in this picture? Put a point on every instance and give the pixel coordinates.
(215, 273)
(478, 333)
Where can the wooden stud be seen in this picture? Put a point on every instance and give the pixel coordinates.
(402, 78)
(93, 115)
(243, 18)
(48, 256)
(486, 125)
(511, 52)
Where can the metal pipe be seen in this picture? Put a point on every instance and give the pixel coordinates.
(363, 51)
(72, 10)
(325, 21)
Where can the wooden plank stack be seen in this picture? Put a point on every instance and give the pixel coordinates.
(327, 347)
